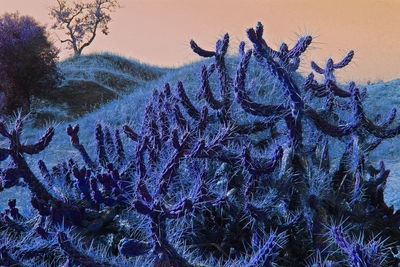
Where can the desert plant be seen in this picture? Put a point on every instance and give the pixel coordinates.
(198, 188)
(27, 62)
(82, 20)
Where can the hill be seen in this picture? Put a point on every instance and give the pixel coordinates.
(91, 81)
(302, 171)
(114, 89)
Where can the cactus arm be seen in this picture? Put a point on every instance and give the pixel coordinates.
(338, 91)
(131, 133)
(390, 119)
(345, 61)
(222, 72)
(206, 90)
(73, 133)
(119, 147)
(369, 125)
(22, 168)
(185, 101)
(171, 167)
(41, 144)
(291, 89)
(328, 128)
(300, 47)
(100, 147)
(378, 131)
(317, 68)
(257, 168)
(241, 49)
(180, 119)
(202, 124)
(224, 79)
(201, 52)
(258, 33)
(244, 100)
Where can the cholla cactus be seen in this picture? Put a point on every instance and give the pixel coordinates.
(202, 186)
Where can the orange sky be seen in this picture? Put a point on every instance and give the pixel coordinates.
(158, 31)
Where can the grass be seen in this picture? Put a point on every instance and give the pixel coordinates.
(113, 89)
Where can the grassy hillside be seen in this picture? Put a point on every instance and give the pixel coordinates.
(230, 185)
(92, 81)
(115, 90)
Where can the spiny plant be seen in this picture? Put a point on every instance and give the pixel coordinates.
(224, 180)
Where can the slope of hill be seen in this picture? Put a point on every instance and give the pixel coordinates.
(114, 90)
(92, 81)
(382, 97)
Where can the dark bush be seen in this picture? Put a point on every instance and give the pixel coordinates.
(27, 62)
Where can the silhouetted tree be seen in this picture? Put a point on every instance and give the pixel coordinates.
(82, 20)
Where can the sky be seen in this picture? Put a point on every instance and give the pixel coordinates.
(158, 32)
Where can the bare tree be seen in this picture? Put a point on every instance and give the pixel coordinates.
(82, 20)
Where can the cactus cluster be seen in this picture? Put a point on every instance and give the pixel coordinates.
(203, 188)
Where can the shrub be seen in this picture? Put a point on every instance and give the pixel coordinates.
(27, 61)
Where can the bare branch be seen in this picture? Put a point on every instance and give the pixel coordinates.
(82, 21)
